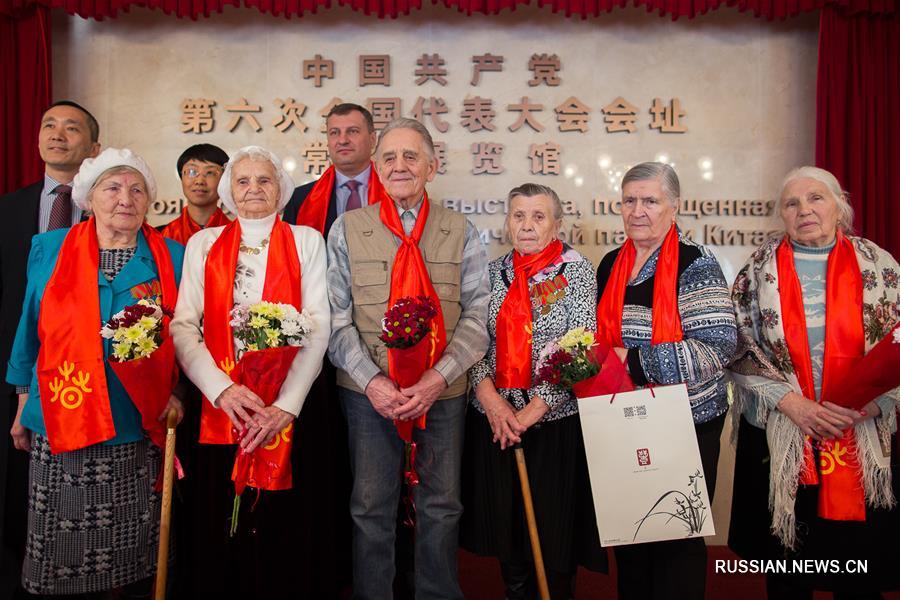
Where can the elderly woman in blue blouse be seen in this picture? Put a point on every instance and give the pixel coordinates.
(93, 515)
(539, 291)
(665, 308)
(815, 478)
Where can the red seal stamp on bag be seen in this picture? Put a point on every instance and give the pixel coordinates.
(643, 457)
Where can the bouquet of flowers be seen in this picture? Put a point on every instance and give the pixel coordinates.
(136, 330)
(407, 322)
(404, 329)
(143, 358)
(268, 325)
(569, 359)
(268, 335)
(579, 362)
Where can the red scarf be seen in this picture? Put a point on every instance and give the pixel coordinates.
(314, 210)
(841, 496)
(282, 285)
(666, 319)
(70, 363)
(515, 319)
(410, 278)
(182, 228)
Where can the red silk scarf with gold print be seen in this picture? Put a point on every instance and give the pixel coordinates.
(666, 324)
(314, 210)
(410, 278)
(70, 364)
(282, 285)
(841, 494)
(515, 319)
(182, 228)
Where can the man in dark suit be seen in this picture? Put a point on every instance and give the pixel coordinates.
(67, 136)
(350, 182)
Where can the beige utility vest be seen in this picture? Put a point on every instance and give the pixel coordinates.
(372, 247)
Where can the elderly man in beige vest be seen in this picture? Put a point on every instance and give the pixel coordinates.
(372, 253)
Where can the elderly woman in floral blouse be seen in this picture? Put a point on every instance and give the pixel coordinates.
(546, 288)
(813, 477)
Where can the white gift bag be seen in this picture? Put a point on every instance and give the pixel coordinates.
(646, 476)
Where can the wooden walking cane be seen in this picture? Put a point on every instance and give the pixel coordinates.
(532, 524)
(165, 519)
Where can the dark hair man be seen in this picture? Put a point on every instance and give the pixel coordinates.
(350, 182)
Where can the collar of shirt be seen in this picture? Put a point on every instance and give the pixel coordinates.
(414, 210)
(363, 177)
(50, 185)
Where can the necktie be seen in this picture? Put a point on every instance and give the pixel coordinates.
(61, 211)
(353, 202)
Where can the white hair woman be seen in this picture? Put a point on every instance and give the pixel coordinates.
(92, 423)
(664, 308)
(540, 290)
(257, 257)
(814, 478)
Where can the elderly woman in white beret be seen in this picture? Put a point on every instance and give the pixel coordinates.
(257, 257)
(93, 514)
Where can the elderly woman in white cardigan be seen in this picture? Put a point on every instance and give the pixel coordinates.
(257, 257)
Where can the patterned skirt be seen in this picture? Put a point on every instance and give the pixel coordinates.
(93, 517)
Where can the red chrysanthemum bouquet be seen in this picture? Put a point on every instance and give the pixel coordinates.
(406, 332)
(407, 322)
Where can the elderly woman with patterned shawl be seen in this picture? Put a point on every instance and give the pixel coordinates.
(814, 476)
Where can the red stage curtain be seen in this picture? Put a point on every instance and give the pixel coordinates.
(24, 92)
(858, 117)
(768, 9)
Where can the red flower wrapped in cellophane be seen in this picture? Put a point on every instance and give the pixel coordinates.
(874, 374)
(143, 358)
(580, 362)
(407, 333)
(269, 336)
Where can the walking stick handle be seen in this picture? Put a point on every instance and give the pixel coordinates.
(532, 524)
(165, 519)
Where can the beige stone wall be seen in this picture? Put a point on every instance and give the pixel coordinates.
(747, 86)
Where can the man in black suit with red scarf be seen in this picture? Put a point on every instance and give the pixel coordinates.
(350, 182)
(68, 135)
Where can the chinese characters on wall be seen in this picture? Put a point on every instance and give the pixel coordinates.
(475, 114)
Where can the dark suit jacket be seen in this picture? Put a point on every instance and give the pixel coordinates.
(18, 223)
(19, 212)
(297, 198)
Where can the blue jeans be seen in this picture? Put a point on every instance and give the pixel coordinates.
(376, 458)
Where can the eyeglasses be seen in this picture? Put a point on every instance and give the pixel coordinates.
(193, 173)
